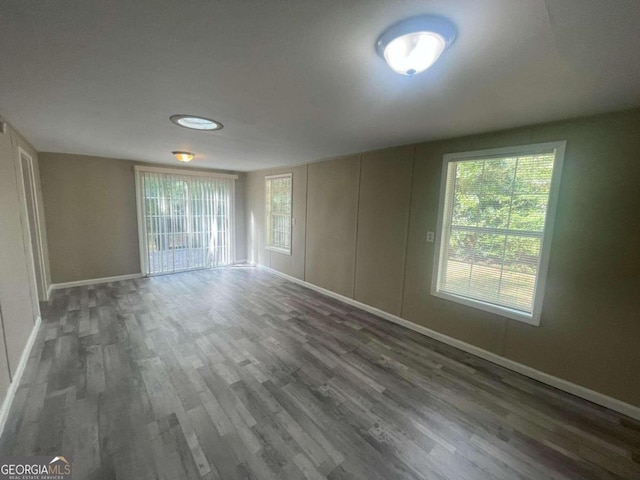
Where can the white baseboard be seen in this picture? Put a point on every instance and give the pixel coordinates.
(93, 281)
(564, 385)
(49, 291)
(17, 376)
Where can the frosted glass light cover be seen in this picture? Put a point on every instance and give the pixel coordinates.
(194, 122)
(198, 123)
(414, 52)
(183, 156)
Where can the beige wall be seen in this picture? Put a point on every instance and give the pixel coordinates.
(92, 226)
(332, 218)
(383, 219)
(91, 216)
(18, 292)
(256, 252)
(590, 329)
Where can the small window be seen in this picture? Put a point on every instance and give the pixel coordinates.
(278, 189)
(494, 228)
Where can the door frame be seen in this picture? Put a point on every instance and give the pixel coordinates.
(142, 246)
(39, 281)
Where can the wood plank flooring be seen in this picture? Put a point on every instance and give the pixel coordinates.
(234, 373)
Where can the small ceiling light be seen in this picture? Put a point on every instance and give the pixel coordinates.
(184, 156)
(196, 123)
(413, 45)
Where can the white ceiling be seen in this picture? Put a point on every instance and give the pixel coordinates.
(297, 81)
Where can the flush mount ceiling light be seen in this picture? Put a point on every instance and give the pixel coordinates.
(413, 45)
(183, 156)
(196, 123)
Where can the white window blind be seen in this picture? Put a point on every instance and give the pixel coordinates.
(187, 221)
(493, 238)
(278, 201)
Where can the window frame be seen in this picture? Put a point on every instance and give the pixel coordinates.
(268, 240)
(547, 235)
(140, 209)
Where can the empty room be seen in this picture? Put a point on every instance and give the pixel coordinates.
(320, 239)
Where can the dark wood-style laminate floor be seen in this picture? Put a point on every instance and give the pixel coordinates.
(234, 373)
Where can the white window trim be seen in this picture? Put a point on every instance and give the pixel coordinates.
(278, 249)
(268, 246)
(182, 171)
(538, 299)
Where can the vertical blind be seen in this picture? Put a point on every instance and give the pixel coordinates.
(187, 221)
(493, 228)
(278, 191)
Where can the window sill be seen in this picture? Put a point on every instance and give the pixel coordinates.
(488, 307)
(284, 251)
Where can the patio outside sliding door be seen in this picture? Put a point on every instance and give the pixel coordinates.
(185, 220)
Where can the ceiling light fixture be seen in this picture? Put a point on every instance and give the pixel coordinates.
(184, 156)
(196, 123)
(413, 45)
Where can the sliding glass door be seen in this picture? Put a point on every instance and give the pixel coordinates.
(185, 220)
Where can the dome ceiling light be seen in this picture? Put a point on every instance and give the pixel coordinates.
(184, 157)
(413, 45)
(194, 122)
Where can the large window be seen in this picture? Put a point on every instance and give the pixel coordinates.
(185, 219)
(278, 190)
(494, 228)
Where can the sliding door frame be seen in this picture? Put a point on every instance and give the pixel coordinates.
(142, 244)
